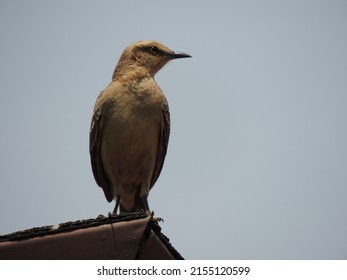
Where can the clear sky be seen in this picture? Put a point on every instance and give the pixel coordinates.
(257, 160)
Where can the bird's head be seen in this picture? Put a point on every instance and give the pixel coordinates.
(149, 55)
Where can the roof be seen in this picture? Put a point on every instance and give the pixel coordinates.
(124, 236)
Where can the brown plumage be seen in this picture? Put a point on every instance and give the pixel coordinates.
(130, 127)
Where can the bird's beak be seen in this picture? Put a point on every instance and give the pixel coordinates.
(175, 55)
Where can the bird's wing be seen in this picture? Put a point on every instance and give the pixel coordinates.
(163, 142)
(95, 136)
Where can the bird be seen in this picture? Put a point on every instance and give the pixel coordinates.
(130, 127)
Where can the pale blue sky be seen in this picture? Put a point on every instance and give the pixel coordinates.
(257, 159)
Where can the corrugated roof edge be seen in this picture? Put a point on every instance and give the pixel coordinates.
(70, 226)
(154, 226)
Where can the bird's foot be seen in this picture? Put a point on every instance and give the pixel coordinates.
(154, 219)
(157, 220)
(149, 213)
(112, 214)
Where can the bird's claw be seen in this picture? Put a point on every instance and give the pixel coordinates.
(154, 219)
(157, 219)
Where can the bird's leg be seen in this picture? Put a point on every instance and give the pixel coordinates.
(145, 204)
(144, 194)
(117, 205)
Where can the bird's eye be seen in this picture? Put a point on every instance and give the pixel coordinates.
(154, 50)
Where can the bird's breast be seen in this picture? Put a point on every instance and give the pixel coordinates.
(131, 141)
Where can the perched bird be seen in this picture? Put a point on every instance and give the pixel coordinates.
(130, 127)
